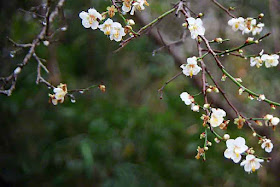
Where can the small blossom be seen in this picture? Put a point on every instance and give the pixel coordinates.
(90, 18)
(237, 23)
(59, 94)
(267, 145)
(270, 60)
(112, 10)
(138, 5)
(191, 68)
(102, 87)
(107, 27)
(217, 117)
(257, 29)
(249, 23)
(187, 98)
(235, 148)
(117, 32)
(195, 108)
(196, 27)
(127, 4)
(251, 164)
(261, 97)
(239, 122)
(200, 152)
(274, 121)
(256, 61)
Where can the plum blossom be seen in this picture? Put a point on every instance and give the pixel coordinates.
(127, 4)
(217, 117)
(237, 23)
(195, 107)
(59, 94)
(256, 61)
(251, 164)
(117, 32)
(257, 29)
(187, 98)
(235, 148)
(91, 18)
(107, 27)
(267, 145)
(196, 27)
(138, 5)
(270, 60)
(274, 121)
(191, 68)
(249, 24)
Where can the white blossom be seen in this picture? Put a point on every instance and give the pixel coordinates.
(191, 68)
(270, 60)
(187, 98)
(249, 24)
(59, 94)
(127, 4)
(267, 145)
(117, 32)
(257, 29)
(107, 27)
(138, 5)
(235, 147)
(237, 23)
(196, 27)
(217, 117)
(274, 121)
(251, 164)
(256, 61)
(90, 18)
(195, 108)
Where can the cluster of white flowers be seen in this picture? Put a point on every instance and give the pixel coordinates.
(269, 60)
(195, 26)
(248, 25)
(132, 5)
(217, 117)
(191, 68)
(92, 18)
(59, 94)
(235, 149)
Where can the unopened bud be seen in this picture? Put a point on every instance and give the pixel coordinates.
(17, 70)
(218, 40)
(130, 22)
(217, 140)
(200, 15)
(226, 136)
(206, 106)
(102, 88)
(254, 134)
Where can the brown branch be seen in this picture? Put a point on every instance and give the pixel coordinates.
(223, 8)
(12, 78)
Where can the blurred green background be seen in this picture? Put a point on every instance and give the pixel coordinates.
(126, 136)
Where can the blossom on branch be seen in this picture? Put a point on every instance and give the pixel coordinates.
(187, 98)
(107, 27)
(196, 27)
(251, 164)
(267, 145)
(59, 94)
(191, 68)
(138, 5)
(217, 117)
(127, 4)
(117, 32)
(91, 18)
(235, 148)
(270, 60)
